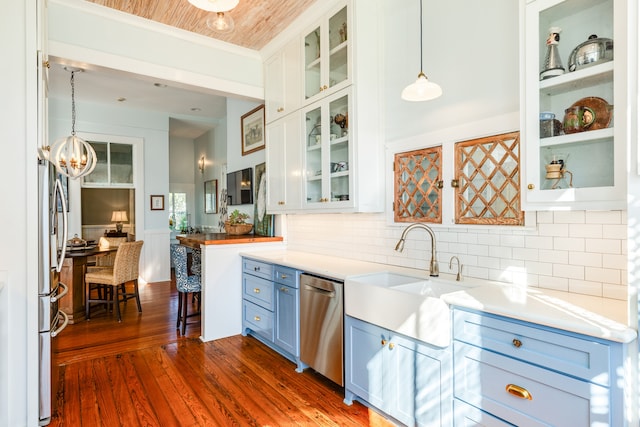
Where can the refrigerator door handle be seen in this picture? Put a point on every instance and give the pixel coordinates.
(65, 220)
(59, 329)
(61, 294)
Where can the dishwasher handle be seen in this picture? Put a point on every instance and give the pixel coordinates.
(321, 291)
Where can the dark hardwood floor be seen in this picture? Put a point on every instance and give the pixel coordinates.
(141, 372)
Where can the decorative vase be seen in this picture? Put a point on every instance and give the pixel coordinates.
(237, 229)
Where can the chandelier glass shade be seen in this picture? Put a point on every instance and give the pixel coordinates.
(221, 23)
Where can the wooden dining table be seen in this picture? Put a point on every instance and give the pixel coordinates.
(72, 274)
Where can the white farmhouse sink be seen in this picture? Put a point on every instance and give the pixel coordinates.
(404, 304)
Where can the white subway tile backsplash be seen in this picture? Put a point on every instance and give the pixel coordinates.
(568, 243)
(585, 259)
(604, 217)
(604, 275)
(585, 230)
(585, 287)
(575, 251)
(553, 230)
(569, 217)
(568, 271)
(605, 246)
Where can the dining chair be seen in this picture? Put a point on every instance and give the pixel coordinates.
(107, 259)
(185, 284)
(110, 284)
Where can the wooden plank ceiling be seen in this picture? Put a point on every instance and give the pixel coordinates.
(256, 21)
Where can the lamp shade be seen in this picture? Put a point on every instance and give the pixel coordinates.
(421, 90)
(119, 216)
(215, 5)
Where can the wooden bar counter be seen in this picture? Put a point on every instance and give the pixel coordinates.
(195, 240)
(221, 313)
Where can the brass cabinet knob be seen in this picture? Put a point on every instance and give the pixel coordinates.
(391, 346)
(517, 343)
(518, 391)
(280, 109)
(531, 186)
(256, 318)
(256, 290)
(281, 202)
(325, 87)
(383, 342)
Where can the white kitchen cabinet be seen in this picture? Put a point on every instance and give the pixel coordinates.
(400, 376)
(282, 82)
(326, 65)
(284, 160)
(353, 95)
(594, 159)
(527, 374)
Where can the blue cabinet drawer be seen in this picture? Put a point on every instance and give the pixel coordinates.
(258, 291)
(555, 350)
(465, 415)
(526, 395)
(286, 276)
(257, 268)
(257, 319)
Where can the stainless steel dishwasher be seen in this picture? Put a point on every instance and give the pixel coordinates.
(321, 325)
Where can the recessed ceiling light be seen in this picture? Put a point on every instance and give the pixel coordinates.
(160, 85)
(122, 99)
(196, 109)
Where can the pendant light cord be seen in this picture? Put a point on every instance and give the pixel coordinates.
(421, 72)
(73, 105)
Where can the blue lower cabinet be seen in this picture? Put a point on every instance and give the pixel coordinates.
(530, 375)
(402, 377)
(271, 307)
(466, 415)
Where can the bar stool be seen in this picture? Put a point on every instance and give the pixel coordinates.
(185, 284)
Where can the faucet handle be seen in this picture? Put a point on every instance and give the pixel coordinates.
(459, 275)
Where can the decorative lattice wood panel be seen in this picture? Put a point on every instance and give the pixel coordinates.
(418, 186)
(488, 178)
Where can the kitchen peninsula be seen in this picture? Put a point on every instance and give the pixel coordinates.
(221, 278)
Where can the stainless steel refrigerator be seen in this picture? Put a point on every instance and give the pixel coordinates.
(52, 214)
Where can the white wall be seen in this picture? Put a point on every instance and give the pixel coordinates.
(18, 247)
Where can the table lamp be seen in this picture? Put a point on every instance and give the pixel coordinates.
(118, 217)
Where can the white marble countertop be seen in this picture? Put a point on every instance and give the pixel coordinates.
(594, 316)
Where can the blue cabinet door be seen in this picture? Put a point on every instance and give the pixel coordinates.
(364, 354)
(287, 319)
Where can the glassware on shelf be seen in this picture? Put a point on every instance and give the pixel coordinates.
(556, 172)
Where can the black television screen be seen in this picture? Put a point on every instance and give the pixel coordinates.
(240, 187)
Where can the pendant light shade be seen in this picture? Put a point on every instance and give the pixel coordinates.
(221, 23)
(215, 5)
(422, 89)
(72, 155)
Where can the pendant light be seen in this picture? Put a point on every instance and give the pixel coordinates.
(219, 23)
(422, 89)
(72, 155)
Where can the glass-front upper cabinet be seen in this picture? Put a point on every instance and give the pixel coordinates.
(327, 154)
(573, 80)
(326, 55)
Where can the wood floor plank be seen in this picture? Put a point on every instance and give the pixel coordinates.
(142, 372)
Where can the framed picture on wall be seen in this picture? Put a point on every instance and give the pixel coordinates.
(157, 203)
(211, 196)
(252, 130)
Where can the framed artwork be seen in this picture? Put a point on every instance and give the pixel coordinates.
(252, 130)
(211, 196)
(157, 202)
(262, 221)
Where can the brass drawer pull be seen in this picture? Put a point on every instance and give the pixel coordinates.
(256, 318)
(283, 276)
(518, 391)
(256, 290)
(517, 343)
(284, 289)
